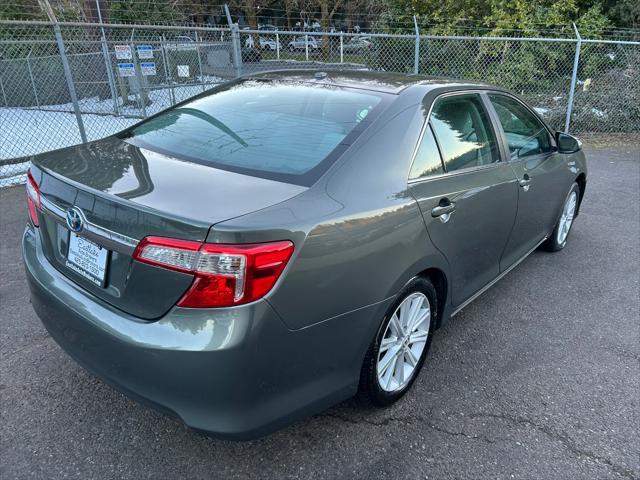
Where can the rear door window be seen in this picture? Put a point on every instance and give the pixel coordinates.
(277, 130)
(464, 132)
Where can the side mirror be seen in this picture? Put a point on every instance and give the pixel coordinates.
(567, 143)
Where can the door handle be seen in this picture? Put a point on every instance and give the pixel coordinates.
(525, 182)
(443, 210)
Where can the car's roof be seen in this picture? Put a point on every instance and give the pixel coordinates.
(370, 80)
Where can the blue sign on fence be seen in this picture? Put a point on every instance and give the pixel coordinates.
(145, 51)
(126, 70)
(148, 68)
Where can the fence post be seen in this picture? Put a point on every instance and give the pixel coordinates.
(416, 54)
(107, 62)
(4, 95)
(277, 46)
(237, 53)
(142, 96)
(199, 60)
(112, 82)
(236, 48)
(70, 86)
(306, 46)
(33, 84)
(574, 78)
(341, 47)
(167, 78)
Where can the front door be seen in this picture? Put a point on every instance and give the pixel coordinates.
(536, 165)
(469, 200)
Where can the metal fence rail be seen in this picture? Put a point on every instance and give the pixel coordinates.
(66, 83)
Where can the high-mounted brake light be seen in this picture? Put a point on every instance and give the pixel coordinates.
(225, 275)
(33, 198)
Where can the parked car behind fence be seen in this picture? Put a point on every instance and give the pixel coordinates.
(303, 42)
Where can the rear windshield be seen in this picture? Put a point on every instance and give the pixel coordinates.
(282, 131)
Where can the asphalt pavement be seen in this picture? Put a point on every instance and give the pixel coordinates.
(538, 378)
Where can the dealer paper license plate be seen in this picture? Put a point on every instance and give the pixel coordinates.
(87, 258)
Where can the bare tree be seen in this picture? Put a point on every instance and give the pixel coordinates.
(359, 10)
(289, 7)
(250, 10)
(328, 9)
(307, 8)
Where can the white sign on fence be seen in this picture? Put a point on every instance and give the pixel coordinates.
(148, 68)
(123, 52)
(183, 70)
(126, 70)
(145, 51)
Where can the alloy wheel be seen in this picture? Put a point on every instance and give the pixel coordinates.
(403, 342)
(566, 219)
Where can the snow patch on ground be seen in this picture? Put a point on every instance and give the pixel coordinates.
(29, 131)
(160, 99)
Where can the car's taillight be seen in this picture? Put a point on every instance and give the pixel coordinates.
(225, 275)
(33, 198)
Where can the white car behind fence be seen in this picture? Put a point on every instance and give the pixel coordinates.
(265, 43)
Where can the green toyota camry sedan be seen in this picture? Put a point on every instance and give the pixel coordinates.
(287, 240)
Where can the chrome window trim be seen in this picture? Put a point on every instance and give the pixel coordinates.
(427, 123)
(462, 171)
(108, 238)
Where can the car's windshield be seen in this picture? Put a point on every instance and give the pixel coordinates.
(283, 131)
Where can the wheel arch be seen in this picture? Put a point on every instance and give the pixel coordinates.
(581, 180)
(439, 280)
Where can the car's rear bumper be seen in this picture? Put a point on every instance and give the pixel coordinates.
(234, 372)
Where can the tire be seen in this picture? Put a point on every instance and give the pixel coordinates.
(558, 239)
(380, 383)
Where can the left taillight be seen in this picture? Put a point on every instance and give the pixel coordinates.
(225, 274)
(33, 198)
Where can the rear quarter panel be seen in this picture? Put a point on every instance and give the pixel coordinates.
(358, 232)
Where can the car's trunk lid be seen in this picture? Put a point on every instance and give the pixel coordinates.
(125, 193)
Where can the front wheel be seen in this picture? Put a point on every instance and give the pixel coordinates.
(558, 238)
(398, 351)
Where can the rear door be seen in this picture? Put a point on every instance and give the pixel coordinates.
(540, 172)
(466, 192)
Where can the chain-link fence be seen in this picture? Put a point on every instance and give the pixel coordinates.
(66, 83)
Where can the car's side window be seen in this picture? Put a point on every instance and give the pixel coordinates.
(526, 135)
(427, 161)
(463, 129)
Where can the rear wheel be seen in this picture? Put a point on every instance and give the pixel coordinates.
(558, 238)
(398, 351)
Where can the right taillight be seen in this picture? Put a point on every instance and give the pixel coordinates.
(225, 274)
(33, 198)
